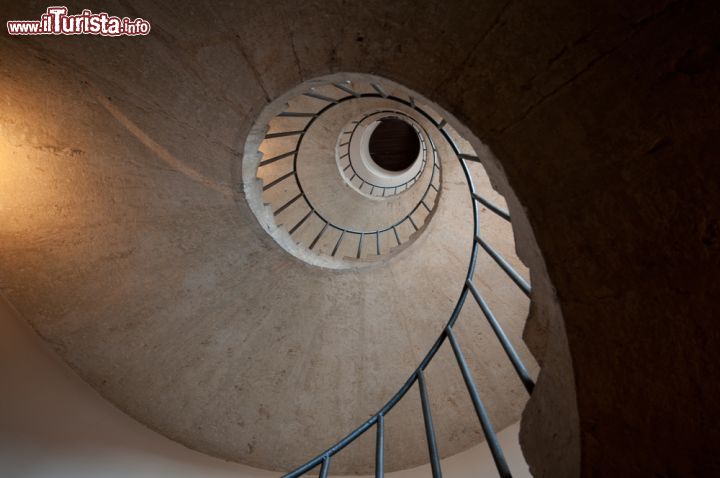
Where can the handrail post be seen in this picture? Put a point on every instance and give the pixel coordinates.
(505, 266)
(337, 244)
(380, 447)
(502, 338)
(482, 414)
(324, 469)
(429, 429)
(496, 209)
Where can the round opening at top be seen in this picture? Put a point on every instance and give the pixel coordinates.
(394, 145)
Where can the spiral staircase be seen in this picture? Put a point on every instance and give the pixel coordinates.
(336, 95)
(195, 224)
(353, 91)
(389, 259)
(345, 225)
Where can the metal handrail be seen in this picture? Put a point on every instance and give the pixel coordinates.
(395, 188)
(436, 168)
(378, 418)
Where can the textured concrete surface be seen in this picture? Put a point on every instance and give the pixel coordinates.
(125, 246)
(49, 427)
(602, 116)
(54, 425)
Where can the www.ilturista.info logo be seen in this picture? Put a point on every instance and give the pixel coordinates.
(56, 21)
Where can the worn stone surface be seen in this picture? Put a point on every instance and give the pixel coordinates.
(603, 117)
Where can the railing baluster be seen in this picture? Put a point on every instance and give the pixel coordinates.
(482, 414)
(497, 210)
(287, 204)
(301, 221)
(469, 157)
(426, 206)
(337, 244)
(429, 430)
(278, 180)
(346, 89)
(380, 447)
(318, 96)
(275, 158)
(317, 238)
(397, 238)
(412, 222)
(325, 468)
(362, 234)
(283, 134)
(379, 89)
(516, 278)
(504, 341)
(293, 114)
(377, 242)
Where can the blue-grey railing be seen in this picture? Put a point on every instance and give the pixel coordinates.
(378, 419)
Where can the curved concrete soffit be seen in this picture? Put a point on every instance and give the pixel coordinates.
(551, 415)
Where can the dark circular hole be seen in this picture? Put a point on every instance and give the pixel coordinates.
(394, 145)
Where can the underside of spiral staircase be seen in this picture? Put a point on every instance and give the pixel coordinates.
(282, 186)
(276, 238)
